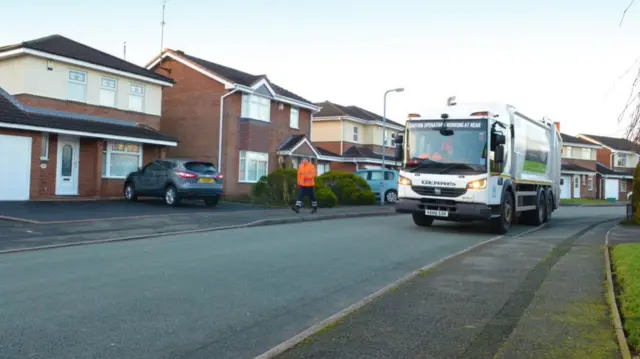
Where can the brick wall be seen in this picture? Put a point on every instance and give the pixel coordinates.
(604, 156)
(82, 108)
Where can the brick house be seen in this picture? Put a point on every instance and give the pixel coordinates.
(245, 124)
(616, 161)
(354, 136)
(74, 121)
(579, 172)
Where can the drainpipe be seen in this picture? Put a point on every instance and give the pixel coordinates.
(221, 121)
(342, 137)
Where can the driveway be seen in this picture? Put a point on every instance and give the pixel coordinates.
(56, 211)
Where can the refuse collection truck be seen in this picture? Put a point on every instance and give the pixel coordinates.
(479, 162)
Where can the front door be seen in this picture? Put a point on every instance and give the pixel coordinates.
(576, 186)
(67, 166)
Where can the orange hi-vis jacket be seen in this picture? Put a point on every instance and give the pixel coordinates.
(307, 175)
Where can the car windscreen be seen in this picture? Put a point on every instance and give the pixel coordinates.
(202, 168)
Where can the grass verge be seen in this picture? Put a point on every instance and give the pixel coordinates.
(626, 266)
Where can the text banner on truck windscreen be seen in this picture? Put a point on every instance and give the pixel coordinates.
(450, 124)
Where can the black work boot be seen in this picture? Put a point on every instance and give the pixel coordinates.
(295, 208)
(314, 209)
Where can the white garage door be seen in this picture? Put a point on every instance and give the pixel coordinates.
(15, 168)
(611, 187)
(565, 190)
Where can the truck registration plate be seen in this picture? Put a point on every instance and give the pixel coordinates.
(434, 213)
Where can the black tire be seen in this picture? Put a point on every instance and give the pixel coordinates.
(212, 201)
(130, 192)
(538, 216)
(502, 224)
(391, 196)
(421, 220)
(171, 196)
(549, 206)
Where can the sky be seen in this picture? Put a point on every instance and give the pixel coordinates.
(568, 60)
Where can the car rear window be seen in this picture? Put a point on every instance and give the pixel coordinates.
(201, 167)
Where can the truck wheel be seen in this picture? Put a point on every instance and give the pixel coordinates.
(538, 216)
(422, 220)
(549, 206)
(502, 224)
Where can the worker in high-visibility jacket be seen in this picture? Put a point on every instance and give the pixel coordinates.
(306, 184)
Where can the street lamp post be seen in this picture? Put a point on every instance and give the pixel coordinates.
(384, 136)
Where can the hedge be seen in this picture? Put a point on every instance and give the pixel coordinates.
(280, 188)
(635, 195)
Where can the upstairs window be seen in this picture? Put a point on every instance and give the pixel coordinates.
(108, 88)
(621, 161)
(77, 86)
(256, 107)
(355, 133)
(136, 97)
(294, 117)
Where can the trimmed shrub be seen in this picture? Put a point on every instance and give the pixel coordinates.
(280, 188)
(349, 188)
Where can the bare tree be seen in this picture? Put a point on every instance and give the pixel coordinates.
(632, 106)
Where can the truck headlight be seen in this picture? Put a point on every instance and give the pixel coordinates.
(404, 181)
(477, 184)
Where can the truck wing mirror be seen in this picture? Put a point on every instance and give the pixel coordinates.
(398, 139)
(399, 152)
(499, 154)
(561, 181)
(500, 139)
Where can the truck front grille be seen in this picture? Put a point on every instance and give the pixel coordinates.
(443, 191)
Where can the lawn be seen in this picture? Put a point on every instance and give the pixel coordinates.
(626, 265)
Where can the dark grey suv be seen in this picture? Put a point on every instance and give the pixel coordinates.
(173, 180)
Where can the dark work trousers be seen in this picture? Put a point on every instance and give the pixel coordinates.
(309, 192)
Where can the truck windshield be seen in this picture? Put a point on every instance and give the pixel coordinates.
(461, 148)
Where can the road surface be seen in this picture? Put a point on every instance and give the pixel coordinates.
(230, 294)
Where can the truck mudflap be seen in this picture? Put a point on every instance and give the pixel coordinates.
(444, 210)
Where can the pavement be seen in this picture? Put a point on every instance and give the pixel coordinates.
(537, 296)
(622, 234)
(19, 236)
(239, 292)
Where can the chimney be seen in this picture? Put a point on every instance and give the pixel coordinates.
(413, 115)
(557, 125)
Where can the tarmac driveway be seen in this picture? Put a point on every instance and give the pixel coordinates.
(94, 210)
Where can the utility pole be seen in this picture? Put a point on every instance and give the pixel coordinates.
(164, 5)
(124, 50)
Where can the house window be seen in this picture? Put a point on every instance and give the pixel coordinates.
(323, 168)
(136, 97)
(256, 107)
(120, 158)
(566, 153)
(355, 134)
(253, 165)
(108, 92)
(623, 185)
(77, 86)
(294, 117)
(586, 153)
(590, 183)
(44, 147)
(621, 160)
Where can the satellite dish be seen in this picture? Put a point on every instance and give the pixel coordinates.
(451, 101)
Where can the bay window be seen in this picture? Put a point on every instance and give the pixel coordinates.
(253, 165)
(256, 107)
(323, 168)
(120, 158)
